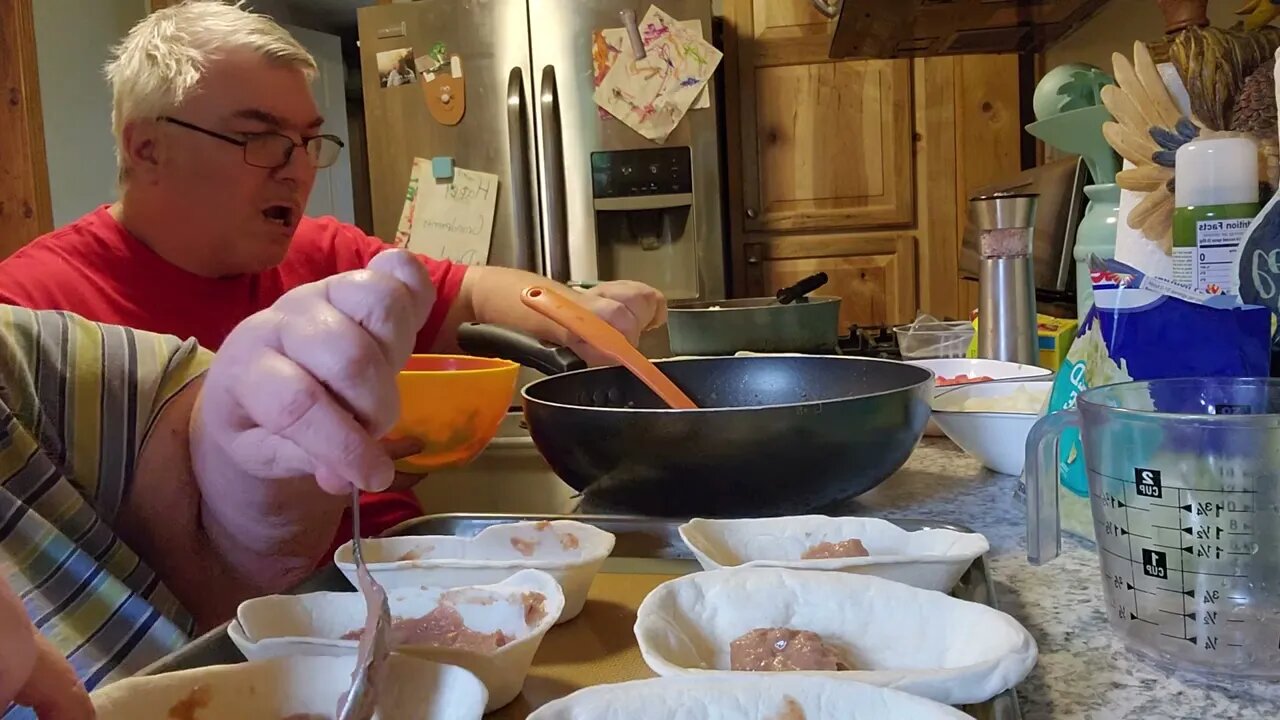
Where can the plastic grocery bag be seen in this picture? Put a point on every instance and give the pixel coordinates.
(1146, 328)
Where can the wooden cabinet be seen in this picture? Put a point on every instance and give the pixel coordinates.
(861, 169)
(874, 275)
(832, 146)
(826, 145)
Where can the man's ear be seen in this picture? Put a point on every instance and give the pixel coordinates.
(140, 148)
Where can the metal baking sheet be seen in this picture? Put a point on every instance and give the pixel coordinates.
(647, 552)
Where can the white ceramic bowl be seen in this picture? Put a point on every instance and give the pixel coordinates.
(734, 697)
(417, 689)
(973, 367)
(314, 623)
(997, 439)
(932, 559)
(893, 635)
(570, 551)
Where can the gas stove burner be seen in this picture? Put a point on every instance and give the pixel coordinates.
(873, 342)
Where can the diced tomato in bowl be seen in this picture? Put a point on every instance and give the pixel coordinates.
(950, 372)
(961, 379)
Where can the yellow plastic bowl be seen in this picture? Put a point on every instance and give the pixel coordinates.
(453, 404)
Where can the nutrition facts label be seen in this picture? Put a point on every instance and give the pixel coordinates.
(1184, 266)
(1208, 267)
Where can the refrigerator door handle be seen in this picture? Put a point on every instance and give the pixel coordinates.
(526, 255)
(557, 216)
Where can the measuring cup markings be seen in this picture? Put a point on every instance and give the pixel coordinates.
(1186, 514)
(1193, 535)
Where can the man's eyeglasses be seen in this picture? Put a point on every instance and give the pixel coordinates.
(272, 150)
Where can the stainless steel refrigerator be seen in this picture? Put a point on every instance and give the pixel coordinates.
(581, 197)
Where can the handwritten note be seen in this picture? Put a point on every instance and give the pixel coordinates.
(1258, 268)
(454, 220)
(652, 95)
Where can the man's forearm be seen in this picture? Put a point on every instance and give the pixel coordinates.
(491, 294)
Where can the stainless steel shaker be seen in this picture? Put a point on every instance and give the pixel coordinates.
(1005, 223)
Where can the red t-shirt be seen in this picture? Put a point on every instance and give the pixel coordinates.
(96, 268)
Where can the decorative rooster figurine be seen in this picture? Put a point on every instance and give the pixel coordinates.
(1147, 132)
(1259, 13)
(1229, 77)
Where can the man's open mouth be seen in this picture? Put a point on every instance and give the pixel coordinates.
(285, 215)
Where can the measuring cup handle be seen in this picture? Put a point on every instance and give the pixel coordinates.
(1044, 527)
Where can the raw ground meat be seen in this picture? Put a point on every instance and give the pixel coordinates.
(534, 607)
(442, 627)
(524, 547)
(852, 547)
(193, 702)
(781, 650)
(791, 710)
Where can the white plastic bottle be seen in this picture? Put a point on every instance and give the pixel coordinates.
(1216, 197)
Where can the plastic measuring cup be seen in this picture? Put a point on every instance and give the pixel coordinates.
(1184, 485)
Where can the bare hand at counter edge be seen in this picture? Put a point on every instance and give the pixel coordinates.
(32, 671)
(245, 474)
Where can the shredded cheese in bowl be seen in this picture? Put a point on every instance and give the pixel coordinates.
(1028, 399)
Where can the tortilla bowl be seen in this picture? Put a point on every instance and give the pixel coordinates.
(316, 623)
(416, 689)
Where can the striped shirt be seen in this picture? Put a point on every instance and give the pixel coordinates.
(77, 400)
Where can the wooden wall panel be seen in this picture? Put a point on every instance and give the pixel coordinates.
(25, 207)
(938, 252)
(988, 123)
(988, 132)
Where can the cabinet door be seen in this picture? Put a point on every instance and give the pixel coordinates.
(874, 275)
(825, 145)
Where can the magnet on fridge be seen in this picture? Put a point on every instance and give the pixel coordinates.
(442, 167)
(633, 32)
(445, 92)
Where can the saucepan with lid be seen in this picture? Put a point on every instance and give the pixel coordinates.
(791, 321)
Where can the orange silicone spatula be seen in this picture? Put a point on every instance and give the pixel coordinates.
(600, 335)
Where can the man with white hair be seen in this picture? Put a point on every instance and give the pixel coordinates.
(219, 141)
(146, 489)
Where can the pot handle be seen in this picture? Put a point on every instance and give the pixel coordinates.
(501, 342)
(797, 292)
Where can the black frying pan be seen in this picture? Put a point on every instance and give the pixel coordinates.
(773, 434)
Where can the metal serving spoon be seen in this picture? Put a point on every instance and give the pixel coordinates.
(360, 702)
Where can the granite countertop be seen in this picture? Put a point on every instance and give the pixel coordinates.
(1083, 671)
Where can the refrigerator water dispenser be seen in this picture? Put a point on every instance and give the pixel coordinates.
(645, 229)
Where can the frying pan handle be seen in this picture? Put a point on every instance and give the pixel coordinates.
(796, 292)
(500, 342)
